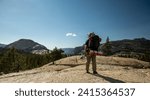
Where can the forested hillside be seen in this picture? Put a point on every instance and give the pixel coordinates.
(13, 60)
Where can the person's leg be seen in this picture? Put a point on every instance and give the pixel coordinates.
(88, 63)
(94, 64)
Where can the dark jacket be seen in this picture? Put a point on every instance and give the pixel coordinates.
(87, 43)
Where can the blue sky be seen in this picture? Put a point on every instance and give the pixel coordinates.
(66, 23)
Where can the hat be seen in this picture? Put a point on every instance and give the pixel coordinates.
(91, 34)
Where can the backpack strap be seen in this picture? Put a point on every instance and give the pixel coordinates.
(89, 42)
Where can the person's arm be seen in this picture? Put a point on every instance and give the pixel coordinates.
(86, 45)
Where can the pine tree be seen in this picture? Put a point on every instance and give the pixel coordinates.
(56, 54)
(9, 61)
(12, 60)
(107, 48)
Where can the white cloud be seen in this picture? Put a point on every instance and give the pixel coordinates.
(71, 34)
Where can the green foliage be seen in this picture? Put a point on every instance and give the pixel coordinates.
(56, 54)
(12, 60)
(9, 61)
(140, 56)
(107, 48)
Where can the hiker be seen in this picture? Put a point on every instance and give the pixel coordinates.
(90, 46)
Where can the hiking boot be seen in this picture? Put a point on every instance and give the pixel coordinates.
(95, 72)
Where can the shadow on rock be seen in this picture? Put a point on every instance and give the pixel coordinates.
(111, 80)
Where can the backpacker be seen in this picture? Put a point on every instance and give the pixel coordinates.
(94, 42)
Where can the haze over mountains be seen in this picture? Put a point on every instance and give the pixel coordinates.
(68, 51)
(140, 45)
(2, 45)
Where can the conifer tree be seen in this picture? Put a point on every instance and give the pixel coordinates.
(56, 54)
(107, 48)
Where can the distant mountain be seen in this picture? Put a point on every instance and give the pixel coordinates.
(140, 45)
(78, 50)
(2, 45)
(73, 51)
(68, 51)
(138, 48)
(28, 45)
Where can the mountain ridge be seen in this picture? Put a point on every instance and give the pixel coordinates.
(133, 45)
(28, 45)
(139, 45)
(68, 51)
(2, 45)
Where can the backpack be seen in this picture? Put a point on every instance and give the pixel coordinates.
(94, 42)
